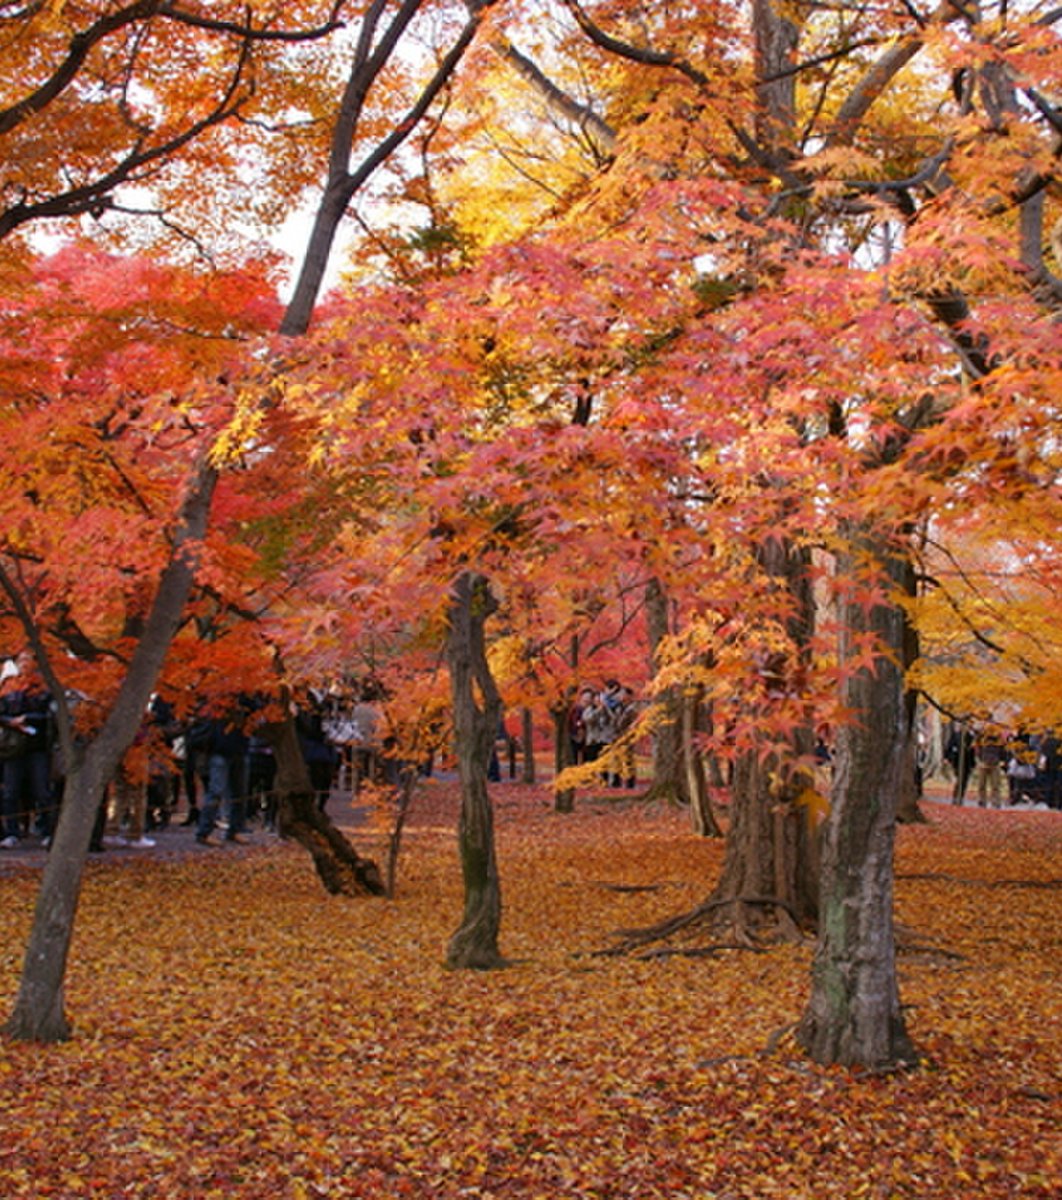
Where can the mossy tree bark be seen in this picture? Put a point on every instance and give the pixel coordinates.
(853, 1015)
(476, 713)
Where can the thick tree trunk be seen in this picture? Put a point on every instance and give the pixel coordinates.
(670, 778)
(853, 1015)
(339, 866)
(477, 711)
(38, 1014)
(770, 871)
(775, 40)
(771, 850)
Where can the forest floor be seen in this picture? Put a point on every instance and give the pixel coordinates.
(240, 1034)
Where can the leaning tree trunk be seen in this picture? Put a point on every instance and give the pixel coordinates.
(770, 870)
(39, 1012)
(339, 866)
(670, 777)
(477, 711)
(853, 1015)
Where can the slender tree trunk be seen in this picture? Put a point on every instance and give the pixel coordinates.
(702, 815)
(38, 1014)
(563, 800)
(909, 812)
(853, 1015)
(527, 736)
(670, 779)
(477, 711)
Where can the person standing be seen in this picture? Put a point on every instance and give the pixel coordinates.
(223, 758)
(577, 726)
(989, 753)
(599, 717)
(628, 713)
(27, 785)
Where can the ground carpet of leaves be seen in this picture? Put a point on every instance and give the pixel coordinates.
(240, 1034)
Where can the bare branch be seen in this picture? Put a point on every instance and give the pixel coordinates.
(93, 197)
(66, 72)
(196, 20)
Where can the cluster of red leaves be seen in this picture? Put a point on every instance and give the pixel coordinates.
(239, 1034)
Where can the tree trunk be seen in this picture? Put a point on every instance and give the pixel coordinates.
(908, 811)
(770, 868)
(564, 800)
(771, 851)
(670, 780)
(339, 866)
(527, 736)
(476, 711)
(702, 815)
(853, 1015)
(38, 1014)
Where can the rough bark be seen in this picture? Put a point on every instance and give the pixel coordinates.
(702, 815)
(771, 851)
(771, 847)
(39, 1011)
(476, 713)
(853, 1015)
(775, 40)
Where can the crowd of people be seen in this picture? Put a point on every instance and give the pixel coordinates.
(597, 720)
(1020, 765)
(218, 764)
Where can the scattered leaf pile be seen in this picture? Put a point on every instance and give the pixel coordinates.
(240, 1034)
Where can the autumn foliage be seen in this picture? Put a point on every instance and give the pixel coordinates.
(242, 1035)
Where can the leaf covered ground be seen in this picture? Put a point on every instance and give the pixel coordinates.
(240, 1034)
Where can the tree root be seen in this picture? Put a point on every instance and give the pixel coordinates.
(635, 939)
(699, 951)
(990, 883)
